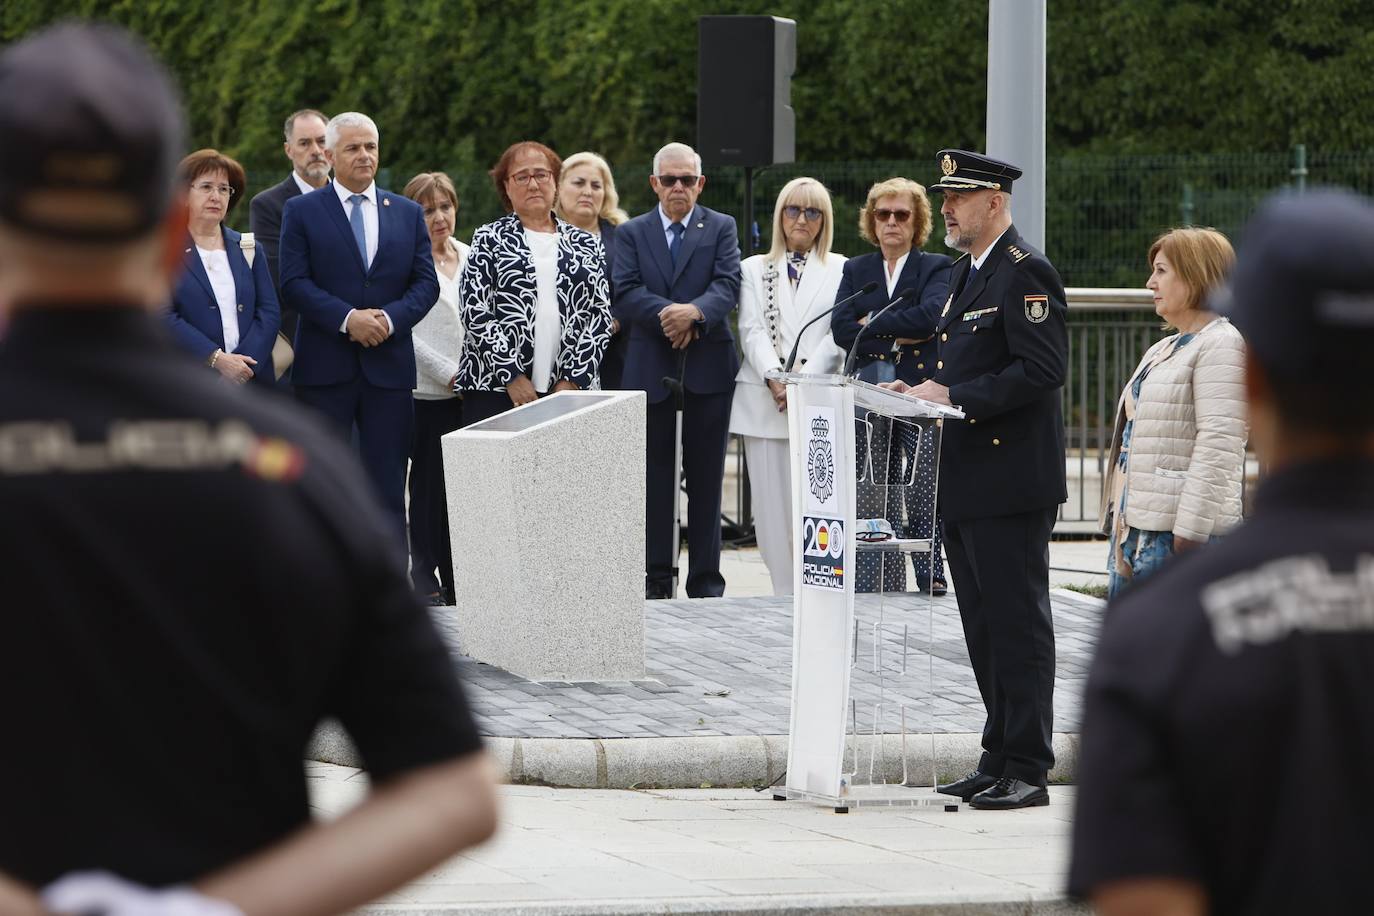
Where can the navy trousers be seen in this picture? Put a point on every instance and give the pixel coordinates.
(705, 434)
(385, 421)
(1001, 571)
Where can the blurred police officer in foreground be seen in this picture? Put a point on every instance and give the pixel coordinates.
(1229, 723)
(190, 580)
(1003, 351)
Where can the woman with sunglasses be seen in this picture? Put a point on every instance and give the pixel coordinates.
(224, 308)
(896, 217)
(779, 293)
(535, 302)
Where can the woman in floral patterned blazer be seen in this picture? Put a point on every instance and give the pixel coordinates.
(535, 301)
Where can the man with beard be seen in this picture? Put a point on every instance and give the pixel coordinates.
(304, 146)
(1003, 350)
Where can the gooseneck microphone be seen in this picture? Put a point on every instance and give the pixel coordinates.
(864, 290)
(909, 293)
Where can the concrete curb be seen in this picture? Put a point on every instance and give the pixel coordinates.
(893, 904)
(703, 762)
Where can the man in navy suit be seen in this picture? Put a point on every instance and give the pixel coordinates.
(677, 277)
(356, 264)
(304, 146)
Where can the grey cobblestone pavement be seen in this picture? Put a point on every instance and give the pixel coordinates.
(723, 667)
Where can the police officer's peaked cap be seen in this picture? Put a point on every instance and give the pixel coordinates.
(961, 170)
(1302, 290)
(92, 133)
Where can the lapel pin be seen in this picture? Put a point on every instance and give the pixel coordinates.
(386, 201)
(701, 225)
(188, 251)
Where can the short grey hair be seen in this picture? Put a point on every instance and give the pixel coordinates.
(348, 119)
(303, 113)
(677, 151)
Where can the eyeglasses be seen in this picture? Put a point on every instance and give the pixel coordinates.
(687, 181)
(207, 188)
(883, 215)
(811, 213)
(539, 175)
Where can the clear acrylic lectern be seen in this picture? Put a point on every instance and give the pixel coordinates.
(846, 435)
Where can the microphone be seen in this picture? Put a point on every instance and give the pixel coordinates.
(864, 290)
(904, 295)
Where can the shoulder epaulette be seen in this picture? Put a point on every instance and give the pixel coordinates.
(1017, 253)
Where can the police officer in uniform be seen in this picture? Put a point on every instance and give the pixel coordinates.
(1228, 727)
(1002, 353)
(195, 574)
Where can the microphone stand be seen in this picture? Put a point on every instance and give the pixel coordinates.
(904, 295)
(867, 288)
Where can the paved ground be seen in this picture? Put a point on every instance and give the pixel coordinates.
(686, 851)
(724, 667)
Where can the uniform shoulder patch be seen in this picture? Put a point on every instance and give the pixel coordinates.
(1017, 253)
(1037, 308)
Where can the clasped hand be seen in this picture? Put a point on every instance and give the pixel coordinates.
(368, 327)
(678, 321)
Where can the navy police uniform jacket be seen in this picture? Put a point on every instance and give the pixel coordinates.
(1003, 351)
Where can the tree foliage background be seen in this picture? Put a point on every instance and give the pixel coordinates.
(452, 82)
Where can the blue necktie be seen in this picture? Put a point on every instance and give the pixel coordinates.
(676, 229)
(968, 281)
(355, 219)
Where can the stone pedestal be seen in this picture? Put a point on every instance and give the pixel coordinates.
(546, 518)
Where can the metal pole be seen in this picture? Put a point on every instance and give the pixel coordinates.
(1299, 170)
(1187, 208)
(1016, 105)
(744, 500)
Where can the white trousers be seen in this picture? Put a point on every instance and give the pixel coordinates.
(770, 480)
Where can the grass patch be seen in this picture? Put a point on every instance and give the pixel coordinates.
(1094, 591)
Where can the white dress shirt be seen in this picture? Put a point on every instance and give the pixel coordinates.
(301, 183)
(222, 282)
(370, 230)
(978, 261)
(892, 275)
(548, 323)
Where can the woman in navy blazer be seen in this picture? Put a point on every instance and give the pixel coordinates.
(587, 198)
(224, 311)
(897, 218)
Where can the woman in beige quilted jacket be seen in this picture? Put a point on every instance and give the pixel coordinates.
(1178, 444)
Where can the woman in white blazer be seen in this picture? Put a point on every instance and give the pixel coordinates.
(438, 339)
(1178, 444)
(779, 293)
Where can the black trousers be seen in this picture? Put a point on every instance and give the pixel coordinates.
(705, 433)
(429, 537)
(1001, 571)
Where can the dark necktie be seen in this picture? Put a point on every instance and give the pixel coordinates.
(676, 229)
(355, 220)
(972, 272)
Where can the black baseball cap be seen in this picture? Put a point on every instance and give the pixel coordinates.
(1302, 290)
(92, 134)
(961, 170)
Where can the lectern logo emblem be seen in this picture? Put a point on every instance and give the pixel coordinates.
(820, 460)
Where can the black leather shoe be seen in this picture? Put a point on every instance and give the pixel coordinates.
(969, 786)
(657, 591)
(1010, 792)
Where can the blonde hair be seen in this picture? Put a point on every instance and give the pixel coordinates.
(920, 209)
(1201, 257)
(610, 204)
(431, 184)
(804, 192)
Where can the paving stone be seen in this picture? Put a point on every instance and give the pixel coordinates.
(744, 646)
